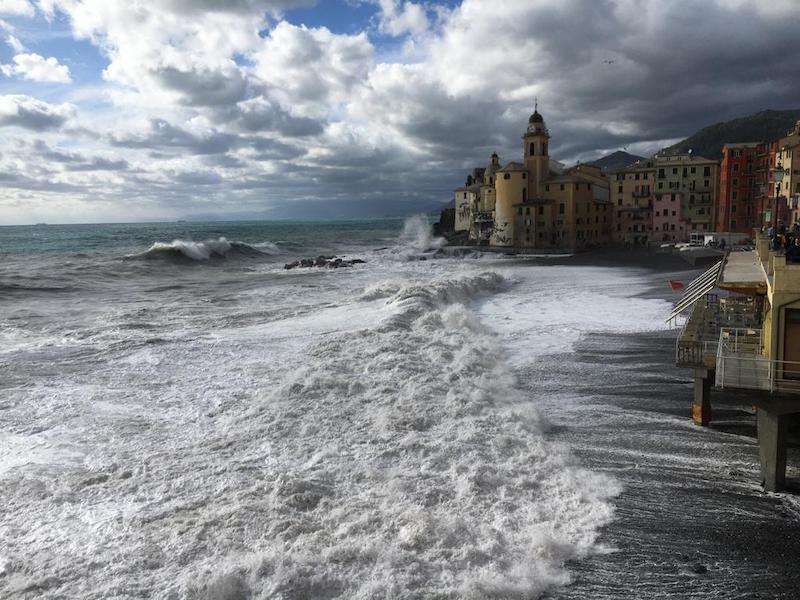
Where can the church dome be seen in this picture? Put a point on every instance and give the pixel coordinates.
(535, 118)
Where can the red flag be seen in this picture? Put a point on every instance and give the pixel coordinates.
(675, 285)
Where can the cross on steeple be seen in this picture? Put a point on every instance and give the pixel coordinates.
(536, 104)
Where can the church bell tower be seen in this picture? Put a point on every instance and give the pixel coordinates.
(534, 150)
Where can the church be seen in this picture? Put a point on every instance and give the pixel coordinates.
(536, 203)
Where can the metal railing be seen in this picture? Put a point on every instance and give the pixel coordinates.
(741, 363)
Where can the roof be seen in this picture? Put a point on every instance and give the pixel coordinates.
(536, 117)
(513, 166)
(566, 179)
(742, 272)
(742, 145)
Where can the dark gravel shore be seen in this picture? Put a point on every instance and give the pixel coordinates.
(692, 520)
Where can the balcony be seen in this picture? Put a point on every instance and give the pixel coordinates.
(699, 340)
(741, 363)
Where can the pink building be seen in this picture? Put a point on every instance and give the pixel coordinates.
(668, 224)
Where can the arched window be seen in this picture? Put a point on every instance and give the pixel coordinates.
(531, 149)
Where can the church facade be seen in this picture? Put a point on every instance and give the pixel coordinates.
(535, 203)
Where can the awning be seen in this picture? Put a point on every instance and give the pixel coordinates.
(696, 290)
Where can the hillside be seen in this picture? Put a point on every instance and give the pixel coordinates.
(616, 160)
(762, 126)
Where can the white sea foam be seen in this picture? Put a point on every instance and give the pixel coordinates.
(349, 434)
(418, 235)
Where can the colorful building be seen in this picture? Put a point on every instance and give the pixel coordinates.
(788, 157)
(632, 197)
(739, 195)
(668, 222)
(536, 204)
(695, 179)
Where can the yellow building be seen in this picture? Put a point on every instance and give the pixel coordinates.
(511, 186)
(632, 191)
(746, 336)
(788, 156)
(531, 205)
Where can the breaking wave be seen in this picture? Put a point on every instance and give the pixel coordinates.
(418, 235)
(441, 483)
(221, 248)
(409, 301)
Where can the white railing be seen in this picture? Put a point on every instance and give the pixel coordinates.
(741, 364)
(741, 340)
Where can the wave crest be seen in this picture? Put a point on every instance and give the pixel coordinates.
(219, 248)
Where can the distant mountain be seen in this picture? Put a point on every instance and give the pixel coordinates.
(616, 160)
(766, 125)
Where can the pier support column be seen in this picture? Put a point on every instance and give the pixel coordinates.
(772, 450)
(701, 406)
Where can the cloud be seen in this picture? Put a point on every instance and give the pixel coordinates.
(314, 70)
(399, 17)
(161, 134)
(231, 96)
(199, 86)
(17, 8)
(37, 68)
(260, 114)
(30, 113)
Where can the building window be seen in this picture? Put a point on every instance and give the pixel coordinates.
(674, 170)
(619, 189)
(527, 208)
(692, 170)
(506, 175)
(524, 175)
(706, 172)
(735, 181)
(547, 188)
(661, 185)
(733, 195)
(561, 208)
(532, 149)
(519, 211)
(541, 210)
(562, 187)
(735, 167)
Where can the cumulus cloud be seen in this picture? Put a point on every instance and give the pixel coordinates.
(37, 68)
(398, 17)
(30, 113)
(231, 96)
(313, 69)
(161, 134)
(20, 8)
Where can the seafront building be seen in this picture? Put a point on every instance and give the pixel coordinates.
(695, 179)
(787, 155)
(632, 195)
(669, 198)
(740, 202)
(535, 203)
(743, 332)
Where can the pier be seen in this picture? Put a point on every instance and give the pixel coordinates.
(742, 331)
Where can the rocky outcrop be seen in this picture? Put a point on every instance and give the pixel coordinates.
(331, 262)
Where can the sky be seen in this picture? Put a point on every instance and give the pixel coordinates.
(136, 110)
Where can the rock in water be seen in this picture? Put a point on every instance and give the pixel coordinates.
(332, 262)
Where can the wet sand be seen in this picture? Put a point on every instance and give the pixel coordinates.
(692, 520)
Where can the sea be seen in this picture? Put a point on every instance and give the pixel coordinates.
(183, 417)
